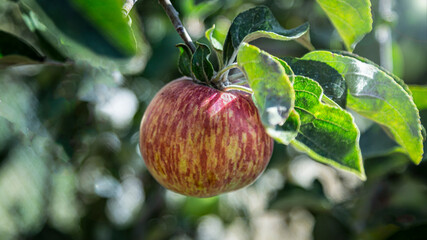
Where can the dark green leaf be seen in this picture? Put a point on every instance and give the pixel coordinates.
(351, 18)
(327, 134)
(184, 60)
(200, 65)
(332, 83)
(256, 23)
(419, 94)
(273, 92)
(376, 95)
(375, 142)
(414, 231)
(13, 45)
(385, 164)
(292, 196)
(423, 115)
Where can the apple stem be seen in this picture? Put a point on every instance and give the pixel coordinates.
(128, 6)
(238, 87)
(223, 71)
(174, 17)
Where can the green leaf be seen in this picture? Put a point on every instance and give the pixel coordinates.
(291, 196)
(256, 23)
(94, 30)
(13, 45)
(419, 94)
(216, 45)
(332, 83)
(365, 60)
(287, 68)
(99, 25)
(383, 165)
(351, 18)
(200, 65)
(199, 9)
(184, 60)
(375, 142)
(327, 134)
(273, 92)
(375, 94)
(287, 132)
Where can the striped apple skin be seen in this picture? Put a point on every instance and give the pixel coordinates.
(199, 141)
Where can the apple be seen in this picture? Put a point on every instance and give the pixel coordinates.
(199, 141)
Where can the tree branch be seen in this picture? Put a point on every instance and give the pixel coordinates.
(174, 17)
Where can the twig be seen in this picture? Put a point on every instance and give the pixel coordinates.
(128, 6)
(174, 17)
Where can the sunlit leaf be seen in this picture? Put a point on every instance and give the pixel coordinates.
(374, 94)
(257, 23)
(273, 92)
(327, 134)
(419, 94)
(289, 130)
(200, 65)
(351, 18)
(365, 60)
(287, 68)
(332, 83)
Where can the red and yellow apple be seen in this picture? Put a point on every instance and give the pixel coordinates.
(200, 141)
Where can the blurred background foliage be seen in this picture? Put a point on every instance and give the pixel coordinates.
(75, 78)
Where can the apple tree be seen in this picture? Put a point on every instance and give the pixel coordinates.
(264, 118)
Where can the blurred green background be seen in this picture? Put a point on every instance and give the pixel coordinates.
(75, 78)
